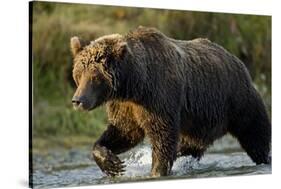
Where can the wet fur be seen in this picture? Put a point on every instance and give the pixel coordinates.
(182, 95)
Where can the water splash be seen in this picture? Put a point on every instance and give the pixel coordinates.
(76, 167)
(139, 162)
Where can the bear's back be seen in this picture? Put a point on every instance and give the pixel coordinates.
(197, 55)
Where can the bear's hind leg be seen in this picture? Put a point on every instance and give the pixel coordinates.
(252, 128)
(255, 145)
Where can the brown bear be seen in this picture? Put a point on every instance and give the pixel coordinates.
(182, 95)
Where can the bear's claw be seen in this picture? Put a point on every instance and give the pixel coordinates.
(108, 162)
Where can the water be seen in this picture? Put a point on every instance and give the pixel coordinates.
(75, 167)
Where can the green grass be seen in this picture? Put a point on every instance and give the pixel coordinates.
(55, 123)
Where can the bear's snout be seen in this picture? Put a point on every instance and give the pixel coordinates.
(79, 102)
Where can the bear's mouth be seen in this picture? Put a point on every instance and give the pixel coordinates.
(79, 107)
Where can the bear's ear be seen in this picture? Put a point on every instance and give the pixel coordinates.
(75, 45)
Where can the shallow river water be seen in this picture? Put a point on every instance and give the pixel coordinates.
(75, 167)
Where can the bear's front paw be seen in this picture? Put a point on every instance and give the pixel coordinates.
(108, 162)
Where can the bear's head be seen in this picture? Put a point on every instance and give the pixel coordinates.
(96, 69)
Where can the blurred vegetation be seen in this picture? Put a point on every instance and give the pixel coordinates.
(246, 36)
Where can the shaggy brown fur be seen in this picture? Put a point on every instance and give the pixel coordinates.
(182, 95)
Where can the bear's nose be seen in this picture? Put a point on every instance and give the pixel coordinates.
(76, 101)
